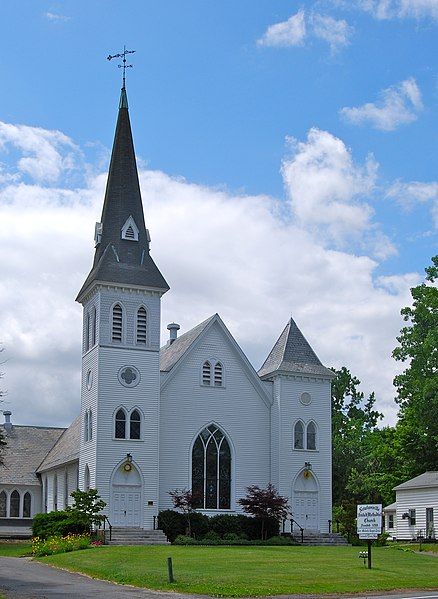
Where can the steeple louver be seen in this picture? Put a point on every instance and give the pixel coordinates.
(117, 259)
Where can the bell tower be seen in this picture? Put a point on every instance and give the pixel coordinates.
(120, 387)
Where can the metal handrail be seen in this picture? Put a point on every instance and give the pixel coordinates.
(105, 519)
(292, 521)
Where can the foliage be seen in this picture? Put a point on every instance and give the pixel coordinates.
(172, 523)
(264, 504)
(183, 500)
(87, 508)
(212, 539)
(417, 386)
(58, 523)
(59, 544)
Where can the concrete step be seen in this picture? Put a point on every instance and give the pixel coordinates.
(136, 536)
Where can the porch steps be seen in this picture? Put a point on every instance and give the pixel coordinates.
(325, 539)
(135, 536)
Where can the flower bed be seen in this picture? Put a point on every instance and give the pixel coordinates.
(58, 544)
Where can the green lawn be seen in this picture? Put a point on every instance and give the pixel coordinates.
(15, 549)
(254, 571)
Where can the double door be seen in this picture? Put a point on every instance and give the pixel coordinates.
(126, 508)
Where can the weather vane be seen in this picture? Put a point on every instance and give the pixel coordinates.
(123, 66)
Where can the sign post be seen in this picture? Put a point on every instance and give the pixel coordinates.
(369, 524)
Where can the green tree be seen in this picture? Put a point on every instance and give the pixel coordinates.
(417, 386)
(87, 507)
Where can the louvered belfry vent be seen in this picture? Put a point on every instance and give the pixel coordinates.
(129, 233)
(141, 326)
(218, 374)
(117, 323)
(206, 373)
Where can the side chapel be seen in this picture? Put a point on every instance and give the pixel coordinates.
(193, 414)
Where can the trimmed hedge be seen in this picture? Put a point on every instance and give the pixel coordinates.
(59, 523)
(208, 541)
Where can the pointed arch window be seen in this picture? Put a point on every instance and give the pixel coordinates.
(27, 505)
(134, 425)
(87, 478)
(3, 504)
(141, 336)
(120, 425)
(311, 436)
(218, 375)
(87, 332)
(93, 327)
(299, 435)
(55, 492)
(206, 373)
(14, 508)
(211, 470)
(86, 426)
(65, 488)
(117, 324)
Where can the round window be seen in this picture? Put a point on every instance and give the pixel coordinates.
(305, 398)
(89, 381)
(129, 376)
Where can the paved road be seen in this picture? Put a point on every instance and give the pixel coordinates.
(21, 578)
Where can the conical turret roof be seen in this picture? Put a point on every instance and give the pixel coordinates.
(117, 259)
(292, 353)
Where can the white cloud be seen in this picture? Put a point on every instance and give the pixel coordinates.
(401, 9)
(336, 33)
(253, 259)
(56, 18)
(287, 33)
(399, 104)
(414, 192)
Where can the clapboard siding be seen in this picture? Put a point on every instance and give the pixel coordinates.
(418, 499)
(237, 408)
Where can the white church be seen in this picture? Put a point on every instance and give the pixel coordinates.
(192, 414)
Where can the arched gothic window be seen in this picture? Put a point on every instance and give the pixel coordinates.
(90, 425)
(120, 425)
(65, 488)
(141, 336)
(211, 470)
(218, 371)
(3, 504)
(14, 509)
(27, 505)
(299, 435)
(206, 373)
(55, 492)
(87, 332)
(311, 436)
(93, 327)
(87, 478)
(117, 324)
(86, 426)
(135, 425)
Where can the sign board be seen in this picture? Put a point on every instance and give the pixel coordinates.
(369, 520)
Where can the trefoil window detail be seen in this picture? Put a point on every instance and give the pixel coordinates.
(211, 470)
(141, 337)
(117, 324)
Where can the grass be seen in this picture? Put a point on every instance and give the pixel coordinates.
(430, 547)
(15, 549)
(254, 571)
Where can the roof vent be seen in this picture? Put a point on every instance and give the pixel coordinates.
(173, 329)
(8, 423)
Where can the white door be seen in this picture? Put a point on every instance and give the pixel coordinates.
(306, 509)
(126, 508)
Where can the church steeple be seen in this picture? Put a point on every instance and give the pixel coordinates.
(122, 240)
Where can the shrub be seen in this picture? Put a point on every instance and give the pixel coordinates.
(185, 540)
(211, 536)
(58, 544)
(200, 525)
(172, 523)
(45, 525)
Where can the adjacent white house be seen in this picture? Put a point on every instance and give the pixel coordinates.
(193, 414)
(415, 510)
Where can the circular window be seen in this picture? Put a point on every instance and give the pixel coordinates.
(305, 398)
(89, 381)
(129, 376)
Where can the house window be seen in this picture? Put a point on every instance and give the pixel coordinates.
(206, 373)
(14, 510)
(117, 324)
(412, 517)
(311, 436)
(3, 504)
(120, 425)
(218, 374)
(390, 520)
(135, 425)
(211, 470)
(27, 505)
(299, 435)
(141, 326)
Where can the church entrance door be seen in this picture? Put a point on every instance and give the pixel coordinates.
(126, 497)
(306, 501)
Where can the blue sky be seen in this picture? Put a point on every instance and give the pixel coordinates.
(224, 97)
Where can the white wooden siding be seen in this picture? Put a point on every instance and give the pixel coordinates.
(419, 500)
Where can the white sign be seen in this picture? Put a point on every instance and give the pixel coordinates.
(369, 520)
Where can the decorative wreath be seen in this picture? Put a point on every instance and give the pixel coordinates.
(127, 467)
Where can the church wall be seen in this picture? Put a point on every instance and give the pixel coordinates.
(61, 482)
(292, 461)
(238, 408)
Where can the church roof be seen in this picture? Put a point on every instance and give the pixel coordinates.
(66, 449)
(292, 353)
(26, 447)
(116, 260)
(427, 479)
(170, 354)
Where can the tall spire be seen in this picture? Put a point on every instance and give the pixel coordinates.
(122, 240)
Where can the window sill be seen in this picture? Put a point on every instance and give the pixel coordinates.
(130, 440)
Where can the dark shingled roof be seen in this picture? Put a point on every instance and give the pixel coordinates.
(292, 353)
(26, 447)
(427, 479)
(118, 260)
(66, 449)
(170, 354)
